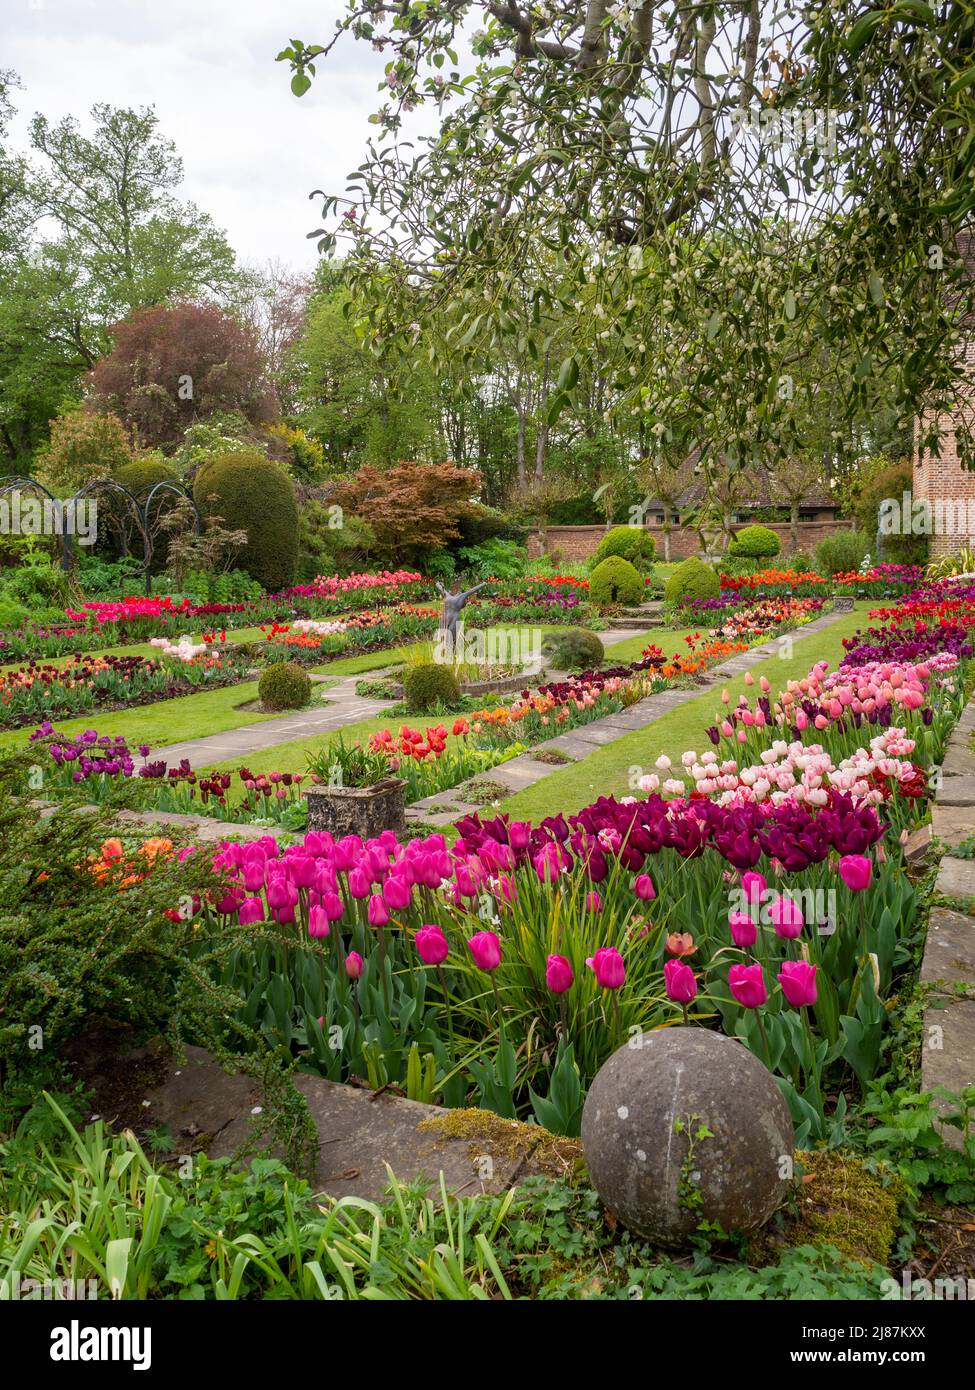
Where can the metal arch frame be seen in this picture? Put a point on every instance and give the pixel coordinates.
(165, 485)
(140, 511)
(23, 484)
(119, 489)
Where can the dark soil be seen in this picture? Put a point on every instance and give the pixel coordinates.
(117, 1074)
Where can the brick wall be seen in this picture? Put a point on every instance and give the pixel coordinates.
(576, 543)
(943, 480)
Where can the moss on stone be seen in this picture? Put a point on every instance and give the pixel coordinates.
(839, 1202)
(486, 1132)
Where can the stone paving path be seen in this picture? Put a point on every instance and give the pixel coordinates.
(948, 965)
(340, 707)
(343, 707)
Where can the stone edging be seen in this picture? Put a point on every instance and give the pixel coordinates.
(948, 1052)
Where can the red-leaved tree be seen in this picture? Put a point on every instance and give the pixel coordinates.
(173, 365)
(412, 509)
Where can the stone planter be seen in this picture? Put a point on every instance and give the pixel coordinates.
(842, 603)
(365, 811)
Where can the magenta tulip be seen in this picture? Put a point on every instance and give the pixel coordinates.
(397, 892)
(594, 902)
(333, 906)
(250, 910)
(359, 884)
(747, 985)
(378, 912)
(318, 922)
(608, 968)
(798, 981)
(743, 930)
(753, 885)
(643, 887)
(353, 965)
(486, 950)
(786, 917)
(855, 871)
(680, 982)
(431, 945)
(558, 974)
(519, 833)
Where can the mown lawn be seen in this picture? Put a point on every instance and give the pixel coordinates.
(606, 771)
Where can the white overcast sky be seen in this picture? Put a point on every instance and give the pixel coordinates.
(251, 151)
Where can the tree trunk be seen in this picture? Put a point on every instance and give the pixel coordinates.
(794, 526)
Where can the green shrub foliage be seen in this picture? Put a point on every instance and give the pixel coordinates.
(256, 496)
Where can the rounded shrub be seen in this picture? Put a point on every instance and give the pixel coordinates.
(633, 543)
(143, 475)
(576, 649)
(692, 579)
(842, 552)
(284, 686)
(252, 494)
(755, 543)
(429, 684)
(615, 580)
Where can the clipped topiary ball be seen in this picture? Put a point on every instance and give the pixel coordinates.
(284, 686)
(633, 543)
(428, 685)
(256, 496)
(576, 649)
(755, 543)
(615, 581)
(692, 579)
(142, 476)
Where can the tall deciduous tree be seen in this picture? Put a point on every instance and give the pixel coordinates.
(725, 171)
(174, 365)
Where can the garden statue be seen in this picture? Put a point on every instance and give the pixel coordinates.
(453, 602)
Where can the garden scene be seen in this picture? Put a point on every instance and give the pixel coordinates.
(487, 694)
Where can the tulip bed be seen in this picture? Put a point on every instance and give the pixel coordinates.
(758, 887)
(113, 682)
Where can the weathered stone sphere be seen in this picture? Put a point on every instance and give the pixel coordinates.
(640, 1126)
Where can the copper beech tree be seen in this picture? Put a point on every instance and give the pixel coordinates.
(173, 365)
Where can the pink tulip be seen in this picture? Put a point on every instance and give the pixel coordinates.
(519, 833)
(753, 885)
(680, 982)
(743, 930)
(855, 871)
(558, 974)
(378, 913)
(318, 922)
(353, 965)
(486, 950)
(250, 910)
(747, 985)
(643, 887)
(359, 884)
(431, 945)
(607, 965)
(397, 892)
(594, 902)
(798, 981)
(786, 917)
(333, 906)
